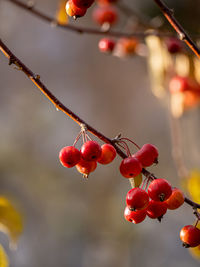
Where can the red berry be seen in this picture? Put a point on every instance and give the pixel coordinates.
(179, 84)
(137, 199)
(74, 11)
(156, 209)
(91, 151)
(147, 155)
(174, 45)
(130, 167)
(126, 46)
(108, 153)
(105, 14)
(106, 45)
(83, 3)
(134, 216)
(86, 167)
(69, 156)
(175, 200)
(159, 190)
(190, 236)
(106, 2)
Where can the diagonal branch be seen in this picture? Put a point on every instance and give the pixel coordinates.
(52, 21)
(169, 14)
(36, 80)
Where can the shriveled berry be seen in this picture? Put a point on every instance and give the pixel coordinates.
(159, 190)
(130, 167)
(190, 236)
(105, 14)
(108, 153)
(91, 151)
(147, 155)
(74, 11)
(83, 3)
(156, 209)
(69, 156)
(106, 45)
(134, 216)
(137, 199)
(86, 167)
(174, 45)
(175, 200)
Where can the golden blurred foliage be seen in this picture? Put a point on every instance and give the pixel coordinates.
(10, 221)
(193, 185)
(136, 181)
(4, 262)
(195, 252)
(61, 14)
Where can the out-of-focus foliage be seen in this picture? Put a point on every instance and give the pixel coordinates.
(4, 262)
(10, 221)
(193, 185)
(61, 14)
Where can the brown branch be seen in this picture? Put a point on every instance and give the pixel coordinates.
(169, 14)
(36, 80)
(52, 21)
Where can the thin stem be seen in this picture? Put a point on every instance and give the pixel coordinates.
(169, 14)
(36, 80)
(53, 22)
(127, 139)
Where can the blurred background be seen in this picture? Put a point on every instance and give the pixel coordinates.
(69, 221)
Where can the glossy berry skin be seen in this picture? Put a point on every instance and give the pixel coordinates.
(91, 151)
(69, 156)
(74, 11)
(108, 153)
(106, 2)
(106, 45)
(159, 190)
(130, 167)
(156, 209)
(105, 14)
(173, 45)
(147, 155)
(175, 200)
(137, 199)
(190, 236)
(134, 216)
(86, 167)
(83, 3)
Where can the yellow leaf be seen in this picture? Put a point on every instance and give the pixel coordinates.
(4, 262)
(10, 221)
(61, 14)
(193, 185)
(136, 181)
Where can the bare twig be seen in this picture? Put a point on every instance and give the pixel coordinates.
(169, 14)
(36, 80)
(52, 21)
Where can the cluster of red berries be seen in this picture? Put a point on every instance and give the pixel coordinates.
(153, 203)
(87, 157)
(144, 157)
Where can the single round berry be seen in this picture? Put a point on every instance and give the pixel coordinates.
(175, 200)
(156, 209)
(108, 153)
(190, 236)
(91, 151)
(130, 167)
(83, 3)
(86, 167)
(174, 45)
(106, 45)
(126, 46)
(137, 199)
(105, 14)
(69, 156)
(147, 155)
(74, 11)
(134, 216)
(179, 84)
(159, 190)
